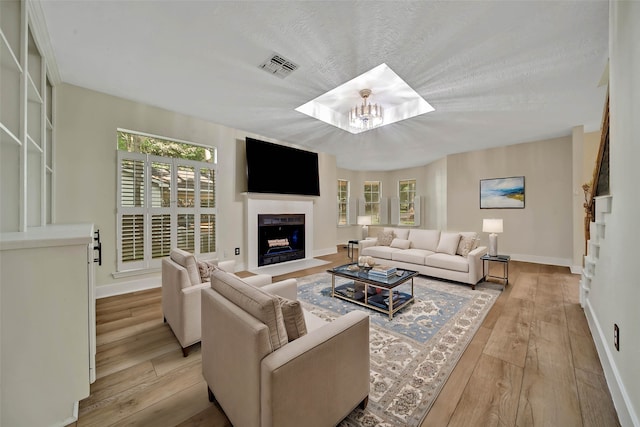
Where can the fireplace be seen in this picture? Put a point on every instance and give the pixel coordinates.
(281, 238)
(258, 205)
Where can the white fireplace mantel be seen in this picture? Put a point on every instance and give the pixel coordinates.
(259, 205)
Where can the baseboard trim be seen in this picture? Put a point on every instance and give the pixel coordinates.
(535, 259)
(621, 399)
(69, 420)
(326, 251)
(113, 289)
(576, 269)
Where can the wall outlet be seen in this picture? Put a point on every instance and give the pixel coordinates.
(237, 251)
(616, 336)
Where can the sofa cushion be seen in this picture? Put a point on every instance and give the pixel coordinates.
(400, 233)
(413, 256)
(467, 240)
(380, 251)
(261, 305)
(424, 239)
(401, 243)
(293, 318)
(448, 262)
(448, 243)
(188, 261)
(385, 237)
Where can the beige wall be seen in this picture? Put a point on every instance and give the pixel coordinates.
(431, 186)
(86, 147)
(542, 231)
(86, 179)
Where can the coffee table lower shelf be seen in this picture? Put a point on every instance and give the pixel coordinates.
(373, 297)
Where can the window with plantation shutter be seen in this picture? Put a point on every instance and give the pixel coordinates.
(163, 203)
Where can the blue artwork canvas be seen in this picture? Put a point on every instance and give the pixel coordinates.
(500, 193)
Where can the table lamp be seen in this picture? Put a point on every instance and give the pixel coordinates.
(365, 222)
(492, 226)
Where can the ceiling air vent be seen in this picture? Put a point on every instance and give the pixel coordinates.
(279, 66)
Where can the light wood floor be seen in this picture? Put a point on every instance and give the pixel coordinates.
(532, 363)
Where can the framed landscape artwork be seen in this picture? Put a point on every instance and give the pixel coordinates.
(502, 193)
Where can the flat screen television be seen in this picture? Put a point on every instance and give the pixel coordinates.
(278, 169)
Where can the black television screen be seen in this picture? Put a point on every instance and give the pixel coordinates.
(273, 168)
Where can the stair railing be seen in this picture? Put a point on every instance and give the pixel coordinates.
(599, 184)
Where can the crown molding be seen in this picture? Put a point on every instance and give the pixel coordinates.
(38, 26)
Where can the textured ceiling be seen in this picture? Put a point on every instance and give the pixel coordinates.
(496, 72)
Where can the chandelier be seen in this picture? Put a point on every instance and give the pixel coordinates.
(366, 116)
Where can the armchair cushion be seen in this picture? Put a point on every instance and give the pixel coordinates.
(188, 261)
(293, 318)
(261, 305)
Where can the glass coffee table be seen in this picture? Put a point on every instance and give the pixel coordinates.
(375, 292)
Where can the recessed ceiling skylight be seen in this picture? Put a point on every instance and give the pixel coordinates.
(398, 100)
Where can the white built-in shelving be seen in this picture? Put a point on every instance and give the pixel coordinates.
(26, 122)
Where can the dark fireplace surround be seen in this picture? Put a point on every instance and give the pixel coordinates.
(280, 238)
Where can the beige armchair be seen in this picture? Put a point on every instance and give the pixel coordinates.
(260, 377)
(181, 287)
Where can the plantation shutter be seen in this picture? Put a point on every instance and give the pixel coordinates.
(207, 180)
(395, 210)
(163, 203)
(161, 189)
(131, 223)
(353, 215)
(132, 237)
(383, 212)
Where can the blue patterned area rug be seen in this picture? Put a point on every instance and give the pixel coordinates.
(413, 354)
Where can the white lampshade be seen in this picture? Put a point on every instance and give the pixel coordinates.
(364, 220)
(492, 225)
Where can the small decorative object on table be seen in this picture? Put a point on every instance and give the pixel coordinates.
(366, 263)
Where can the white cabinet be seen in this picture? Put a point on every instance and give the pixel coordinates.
(47, 312)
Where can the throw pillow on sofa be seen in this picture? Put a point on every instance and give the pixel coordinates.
(468, 241)
(385, 237)
(400, 243)
(293, 318)
(206, 268)
(448, 243)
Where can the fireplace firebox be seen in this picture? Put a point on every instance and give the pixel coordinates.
(280, 238)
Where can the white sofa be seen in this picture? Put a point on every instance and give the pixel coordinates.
(270, 363)
(445, 255)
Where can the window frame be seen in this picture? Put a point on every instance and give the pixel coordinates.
(148, 210)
